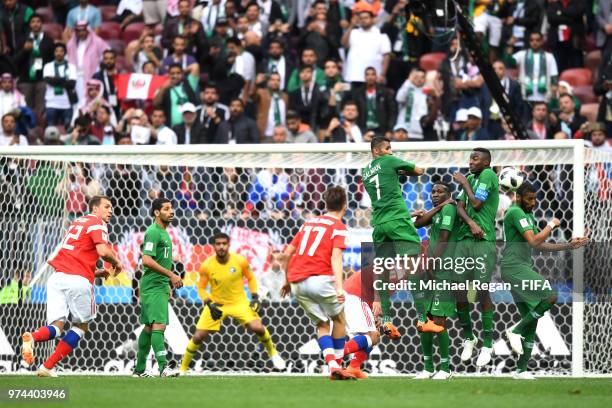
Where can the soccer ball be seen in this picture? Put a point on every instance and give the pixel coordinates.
(511, 179)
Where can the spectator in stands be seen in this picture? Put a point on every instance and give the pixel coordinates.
(51, 137)
(14, 19)
(492, 113)
(11, 100)
(597, 136)
(473, 129)
(29, 60)
(488, 16)
(280, 135)
(412, 103)
(308, 100)
(154, 11)
(84, 12)
(94, 98)
(540, 127)
(299, 132)
(9, 135)
(604, 32)
(346, 128)
(190, 131)
(274, 279)
(566, 32)
(317, 36)
(309, 58)
(563, 87)
(365, 37)
(400, 133)
(102, 128)
(537, 70)
(60, 76)
(123, 186)
(177, 91)
(179, 56)
(209, 13)
(271, 106)
(147, 51)
(85, 51)
(434, 126)
(162, 134)
(81, 133)
(18, 289)
(335, 87)
(276, 62)
(568, 116)
(189, 29)
(271, 193)
(376, 102)
(244, 65)
(525, 17)
(603, 88)
(105, 74)
(458, 126)
(271, 11)
(255, 23)
(128, 12)
(211, 112)
(450, 70)
(239, 128)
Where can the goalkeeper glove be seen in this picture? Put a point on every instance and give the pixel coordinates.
(255, 303)
(215, 312)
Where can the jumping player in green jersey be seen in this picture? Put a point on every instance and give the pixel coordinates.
(477, 206)
(155, 289)
(440, 303)
(532, 293)
(394, 232)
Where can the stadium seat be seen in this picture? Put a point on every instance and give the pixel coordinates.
(46, 13)
(54, 30)
(118, 45)
(585, 94)
(577, 76)
(132, 32)
(590, 43)
(108, 12)
(122, 64)
(592, 61)
(431, 61)
(589, 110)
(110, 30)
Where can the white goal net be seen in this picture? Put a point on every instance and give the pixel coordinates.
(260, 195)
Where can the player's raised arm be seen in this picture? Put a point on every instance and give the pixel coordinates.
(425, 219)
(474, 228)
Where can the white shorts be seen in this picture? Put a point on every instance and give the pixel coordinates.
(317, 296)
(359, 317)
(70, 295)
(486, 22)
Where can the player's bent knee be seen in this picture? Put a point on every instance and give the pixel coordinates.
(375, 336)
(158, 326)
(339, 318)
(199, 336)
(82, 326)
(256, 326)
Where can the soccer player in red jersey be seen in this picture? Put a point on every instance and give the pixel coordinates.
(361, 326)
(314, 276)
(70, 289)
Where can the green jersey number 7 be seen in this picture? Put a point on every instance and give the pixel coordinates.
(377, 184)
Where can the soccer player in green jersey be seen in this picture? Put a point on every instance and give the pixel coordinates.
(441, 303)
(477, 206)
(394, 232)
(155, 289)
(531, 291)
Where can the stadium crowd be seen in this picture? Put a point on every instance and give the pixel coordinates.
(281, 71)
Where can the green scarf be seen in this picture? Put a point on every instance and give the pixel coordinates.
(409, 102)
(541, 82)
(34, 55)
(277, 112)
(371, 121)
(58, 90)
(401, 25)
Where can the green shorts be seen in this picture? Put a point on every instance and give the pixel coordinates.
(474, 261)
(442, 301)
(154, 308)
(397, 237)
(528, 286)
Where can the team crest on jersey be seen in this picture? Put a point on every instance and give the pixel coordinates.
(232, 270)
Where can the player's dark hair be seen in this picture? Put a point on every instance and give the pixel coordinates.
(484, 151)
(377, 141)
(335, 198)
(447, 186)
(291, 114)
(95, 201)
(525, 188)
(219, 235)
(157, 204)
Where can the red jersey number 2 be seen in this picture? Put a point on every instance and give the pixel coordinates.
(73, 234)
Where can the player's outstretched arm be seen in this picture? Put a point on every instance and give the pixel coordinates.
(150, 263)
(575, 243)
(536, 240)
(474, 201)
(426, 218)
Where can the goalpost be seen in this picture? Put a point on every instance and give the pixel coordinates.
(260, 195)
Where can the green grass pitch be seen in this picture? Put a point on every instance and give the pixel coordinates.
(314, 392)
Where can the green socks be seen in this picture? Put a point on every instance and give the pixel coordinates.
(443, 345)
(385, 304)
(427, 349)
(466, 323)
(159, 348)
(521, 365)
(487, 328)
(532, 316)
(144, 345)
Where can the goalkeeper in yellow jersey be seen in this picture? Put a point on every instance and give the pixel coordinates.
(225, 272)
